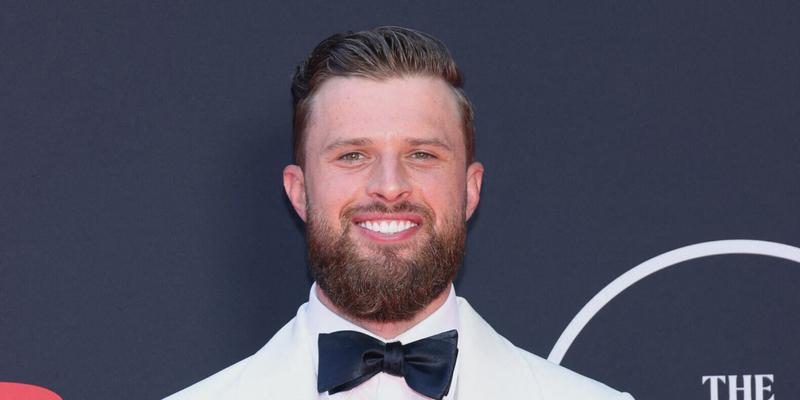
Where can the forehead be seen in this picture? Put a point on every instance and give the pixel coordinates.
(397, 108)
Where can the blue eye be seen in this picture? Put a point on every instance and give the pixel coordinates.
(353, 156)
(421, 155)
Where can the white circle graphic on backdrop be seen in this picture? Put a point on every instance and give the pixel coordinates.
(655, 264)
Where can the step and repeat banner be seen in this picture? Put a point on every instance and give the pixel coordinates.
(638, 221)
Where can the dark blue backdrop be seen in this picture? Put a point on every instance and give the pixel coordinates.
(145, 242)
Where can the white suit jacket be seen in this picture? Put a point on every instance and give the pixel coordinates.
(489, 366)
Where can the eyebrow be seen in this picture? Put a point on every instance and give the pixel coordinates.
(366, 142)
(347, 143)
(428, 142)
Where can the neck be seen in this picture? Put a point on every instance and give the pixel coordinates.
(386, 330)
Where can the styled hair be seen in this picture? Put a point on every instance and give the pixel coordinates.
(380, 53)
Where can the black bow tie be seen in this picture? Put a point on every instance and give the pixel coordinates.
(348, 359)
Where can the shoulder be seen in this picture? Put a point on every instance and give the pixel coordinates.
(282, 366)
(557, 382)
(213, 387)
(517, 371)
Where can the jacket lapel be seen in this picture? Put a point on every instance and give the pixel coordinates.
(490, 367)
(283, 368)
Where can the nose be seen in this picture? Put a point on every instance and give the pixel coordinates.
(389, 180)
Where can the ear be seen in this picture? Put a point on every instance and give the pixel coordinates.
(474, 180)
(294, 183)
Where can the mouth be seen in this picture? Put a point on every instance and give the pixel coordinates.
(388, 228)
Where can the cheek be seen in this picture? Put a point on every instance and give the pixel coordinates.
(331, 193)
(443, 193)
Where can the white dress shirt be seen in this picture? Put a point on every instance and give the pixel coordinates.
(382, 386)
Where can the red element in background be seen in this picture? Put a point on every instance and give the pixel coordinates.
(23, 391)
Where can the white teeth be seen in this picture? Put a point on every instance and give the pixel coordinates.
(387, 226)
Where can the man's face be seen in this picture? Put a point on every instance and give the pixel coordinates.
(385, 192)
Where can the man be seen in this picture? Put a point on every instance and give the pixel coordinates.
(385, 180)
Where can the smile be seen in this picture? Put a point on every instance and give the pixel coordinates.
(387, 227)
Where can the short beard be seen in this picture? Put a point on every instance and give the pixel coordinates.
(384, 287)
